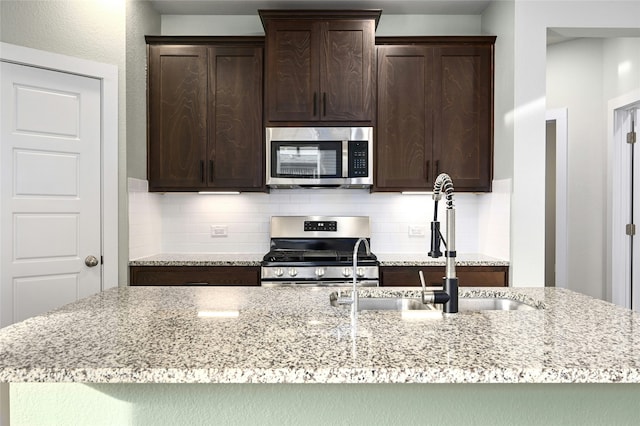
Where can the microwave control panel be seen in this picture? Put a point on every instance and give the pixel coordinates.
(358, 159)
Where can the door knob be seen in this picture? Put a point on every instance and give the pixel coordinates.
(91, 261)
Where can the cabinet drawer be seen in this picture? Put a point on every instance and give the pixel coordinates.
(195, 275)
(468, 276)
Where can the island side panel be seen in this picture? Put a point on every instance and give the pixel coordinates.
(321, 404)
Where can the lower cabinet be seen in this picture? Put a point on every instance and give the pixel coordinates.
(194, 275)
(468, 276)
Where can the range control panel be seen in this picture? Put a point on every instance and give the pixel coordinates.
(315, 225)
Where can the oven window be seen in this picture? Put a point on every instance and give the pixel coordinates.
(307, 159)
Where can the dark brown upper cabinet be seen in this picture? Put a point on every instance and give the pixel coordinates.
(320, 66)
(205, 114)
(435, 112)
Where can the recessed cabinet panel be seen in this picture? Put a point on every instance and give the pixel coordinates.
(347, 77)
(235, 118)
(404, 131)
(292, 71)
(463, 117)
(177, 116)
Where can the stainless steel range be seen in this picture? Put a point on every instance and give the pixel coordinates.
(318, 251)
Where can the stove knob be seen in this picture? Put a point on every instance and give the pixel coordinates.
(346, 272)
(293, 272)
(278, 272)
(320, 272)
(360, 272)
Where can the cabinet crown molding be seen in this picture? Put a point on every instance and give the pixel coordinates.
(297, 14)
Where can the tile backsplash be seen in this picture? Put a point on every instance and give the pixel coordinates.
(182, 222)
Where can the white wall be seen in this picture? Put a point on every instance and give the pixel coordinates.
(142, 20)
(532, 18)
(584, 75)
(621, 63)
(396, 25)
(575, 81)
(180, 222)
(498, 19)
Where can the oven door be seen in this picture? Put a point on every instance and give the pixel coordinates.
(325, 283)
(306, 162)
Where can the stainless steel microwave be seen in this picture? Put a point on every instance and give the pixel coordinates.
(312, 157)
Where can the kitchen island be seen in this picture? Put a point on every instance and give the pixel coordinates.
(272, 355)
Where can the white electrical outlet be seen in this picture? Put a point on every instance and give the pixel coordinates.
(219, 230)
(417, 230)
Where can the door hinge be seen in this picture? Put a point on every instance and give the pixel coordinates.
(631, 137)
(631, 229)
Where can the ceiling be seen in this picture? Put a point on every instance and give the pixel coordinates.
(558, 35)
(250, 7)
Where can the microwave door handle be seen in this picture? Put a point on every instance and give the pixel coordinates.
(345, 159)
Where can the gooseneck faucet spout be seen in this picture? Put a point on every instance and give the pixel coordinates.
(444, 185)
(354, 274)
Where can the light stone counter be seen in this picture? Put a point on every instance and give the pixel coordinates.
(254, 259)
(292, 335)
(199, 259)
(422, 259)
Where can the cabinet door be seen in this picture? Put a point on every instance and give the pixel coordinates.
(468, 276)
(347, 76)
(194, 275)
(463, 119)
(404, 127)
(235, 148)
(292, 71)
(177, 116)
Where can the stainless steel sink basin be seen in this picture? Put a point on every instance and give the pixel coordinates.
(391, 304)
(386, 304)
(467, 304)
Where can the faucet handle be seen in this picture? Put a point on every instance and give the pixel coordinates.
(433, 296)
(422, 280)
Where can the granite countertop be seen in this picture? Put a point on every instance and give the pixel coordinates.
(199, 259)
(254, 259)
(293, 335)
(422, 259)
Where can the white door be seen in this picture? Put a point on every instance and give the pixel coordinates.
(50, 213)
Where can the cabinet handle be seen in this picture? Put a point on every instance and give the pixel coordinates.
(426, 171)
(324, 104)
(202, 171)
(315, 104)
(210, 170)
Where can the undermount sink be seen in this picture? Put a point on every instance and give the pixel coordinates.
(465, 304)
(391, 304)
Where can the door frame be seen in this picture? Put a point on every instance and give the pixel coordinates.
(560, 116)
(618, 202)
(108, 76)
